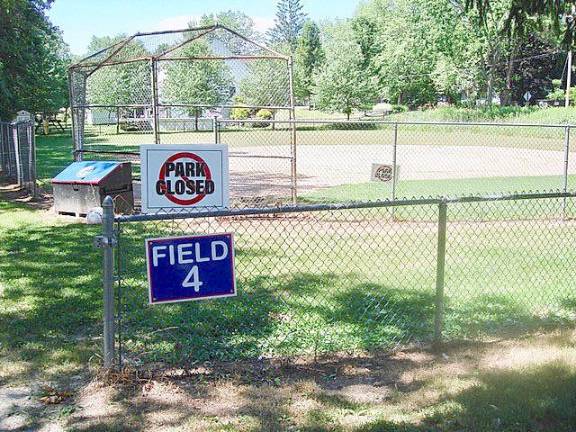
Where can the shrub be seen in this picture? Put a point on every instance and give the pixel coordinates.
(240, 113)
(264, 114)
(399, 108)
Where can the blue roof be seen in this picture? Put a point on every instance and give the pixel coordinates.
(91, 172)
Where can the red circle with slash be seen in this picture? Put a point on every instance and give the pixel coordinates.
(162, 176)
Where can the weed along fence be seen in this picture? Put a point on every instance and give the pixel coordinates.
(285, 162)
(316, 279)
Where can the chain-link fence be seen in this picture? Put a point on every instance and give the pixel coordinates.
(334, 161)
(168, 86)
(325, 161)
(18, 154)
(351, 278)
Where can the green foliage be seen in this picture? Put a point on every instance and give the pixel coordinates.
(197, 82)
(33, 59)
(399, 108)
(342, 84)
(119, 84)
(234, 20)
(264, 114)
(240, 113)
(557, 94)
(288, 23)
(265, 83)
(309, 56)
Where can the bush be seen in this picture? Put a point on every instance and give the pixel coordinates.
(240, 113)
(399, 109)
(264, 114)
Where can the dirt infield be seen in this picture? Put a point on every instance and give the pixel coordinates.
(328, 165)
(264, 171)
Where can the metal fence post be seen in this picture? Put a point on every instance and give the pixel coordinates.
(565, 173)
(155, 114)
(293, 142)
(440, 267)
(394, 167)
(215, 126)
(17, 154)
(106, 242)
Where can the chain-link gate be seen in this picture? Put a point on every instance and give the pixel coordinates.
(352, 278)
(18, 154)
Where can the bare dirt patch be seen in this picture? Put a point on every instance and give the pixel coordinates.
(408, 390)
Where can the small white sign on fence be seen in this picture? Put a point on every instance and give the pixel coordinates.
(384, 172)
(23, 116)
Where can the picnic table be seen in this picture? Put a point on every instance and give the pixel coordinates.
(52, 120)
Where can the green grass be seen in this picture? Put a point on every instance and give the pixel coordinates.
(374, 191)
(50, 295)
(355, 280)
(555, 115)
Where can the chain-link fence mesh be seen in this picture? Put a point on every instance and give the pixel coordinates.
(169, 86)
(330, 162)
(350, 278)
(18, 154)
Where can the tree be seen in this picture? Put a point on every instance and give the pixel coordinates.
(33, 59)
(366, 35)
(234, 20)
(309, 57)
(119, 84)
(265, 84)
(197, 82)
(342, 84)
(556, 16)
(288, 23)
(440, 51)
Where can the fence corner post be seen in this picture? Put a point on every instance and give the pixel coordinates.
(107, 241)
(440, 267)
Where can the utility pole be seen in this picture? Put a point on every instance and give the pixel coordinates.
(569, 22)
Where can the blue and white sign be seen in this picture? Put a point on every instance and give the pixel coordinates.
(190, 268)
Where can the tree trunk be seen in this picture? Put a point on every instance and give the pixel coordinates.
(506, 96)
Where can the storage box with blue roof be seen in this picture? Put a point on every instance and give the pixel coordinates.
(84, 185)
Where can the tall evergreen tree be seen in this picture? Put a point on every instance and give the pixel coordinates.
(288, 23)
(309, 57)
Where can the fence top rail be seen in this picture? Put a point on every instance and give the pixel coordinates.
(343, 206)
(399, 122)
(16, 122)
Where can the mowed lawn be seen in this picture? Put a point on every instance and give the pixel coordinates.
(356, 280)
(351, 281)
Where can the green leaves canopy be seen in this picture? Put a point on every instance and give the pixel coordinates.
(33, 59)
(343, 84)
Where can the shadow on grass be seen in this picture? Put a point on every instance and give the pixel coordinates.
(51, 300)
(304, 314)
(541, 398)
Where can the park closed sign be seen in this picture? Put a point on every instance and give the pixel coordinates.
(184, 176)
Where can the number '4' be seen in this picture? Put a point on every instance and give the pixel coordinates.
(192, 280)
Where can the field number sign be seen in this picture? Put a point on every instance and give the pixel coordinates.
(184, 176)
(190, 268)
